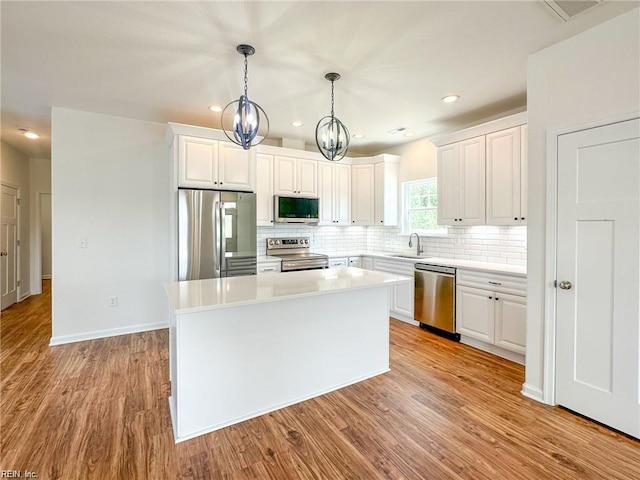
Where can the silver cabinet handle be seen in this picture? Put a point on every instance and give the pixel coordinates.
(565, 285)
(495, 283)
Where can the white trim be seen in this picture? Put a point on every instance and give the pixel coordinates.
(404, 318)
(479, 130)
(46, 277)
(19, 297)
(532, 392)
(112, 332)
(24, 296)
(548, 393)
(493, 349)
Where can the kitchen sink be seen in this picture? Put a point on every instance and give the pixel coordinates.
(407, 256)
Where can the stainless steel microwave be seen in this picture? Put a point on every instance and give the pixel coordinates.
(296, 209)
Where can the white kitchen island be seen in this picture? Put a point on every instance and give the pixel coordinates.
(241, 347)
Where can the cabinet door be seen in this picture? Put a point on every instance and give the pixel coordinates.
(448, 184)
(236, 168)
(284, 176)
(325, 193)
(362, 195)
(355, 262)
(471, 176)
(523, 174)
(307, 177)
(367, 263)
(341, 194)
(402, 300)
(197, 162)
(511, 322)
(264, 189)
(338, 262)
(503, 177)
(386, 194)
(475, 313)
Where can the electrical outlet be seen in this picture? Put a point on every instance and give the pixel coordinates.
(113, 301)
(82, 243)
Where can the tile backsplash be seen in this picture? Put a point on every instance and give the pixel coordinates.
(481, 243)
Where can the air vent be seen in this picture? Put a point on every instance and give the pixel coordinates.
(567, 9)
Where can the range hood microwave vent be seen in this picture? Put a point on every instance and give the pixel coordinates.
(567, 9)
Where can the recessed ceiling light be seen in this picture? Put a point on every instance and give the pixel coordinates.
(215, 108)
(358, 135)
(450, 98)
(297, 123)
(29, 134)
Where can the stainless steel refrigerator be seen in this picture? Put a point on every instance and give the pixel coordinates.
(216, 234)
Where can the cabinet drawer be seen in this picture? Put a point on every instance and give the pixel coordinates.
(269, 267)
(401, 268)
(496, 282)
(338, 262)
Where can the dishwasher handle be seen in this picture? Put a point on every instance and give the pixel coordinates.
(426, 267)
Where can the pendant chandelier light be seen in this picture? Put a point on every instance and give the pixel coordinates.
(247, 115)
(332, 136)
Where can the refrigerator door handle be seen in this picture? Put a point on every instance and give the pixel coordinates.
(223, 242)
(217, 222)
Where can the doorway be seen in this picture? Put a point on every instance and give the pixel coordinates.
(598, 274)
(9, 246)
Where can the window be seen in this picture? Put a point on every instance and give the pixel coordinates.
(420, 208)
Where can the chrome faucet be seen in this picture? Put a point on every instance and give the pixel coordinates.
(418, 247)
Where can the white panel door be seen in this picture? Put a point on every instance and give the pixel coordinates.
(475, 313)
(197, 162)
(264, 189)
(325, 194)
(342, 194)
(284, 176)
(362, 196)
(448, 185)
(503, 177)
(472, 187)
(236, 168)
(598, 253)
(307, 181)
(8, 247)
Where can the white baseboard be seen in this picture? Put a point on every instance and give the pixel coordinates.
(81, 337)
(494, 349)
(532, 393)
(24, 296)
(46, 277)
(404, 319)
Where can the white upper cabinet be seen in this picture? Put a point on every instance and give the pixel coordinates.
(362, 194)
(386, 194)
(207, 163)
(374, 191)
(461, 187)
(264, 189)
(296, 177)
(506, 177)
(334, 190)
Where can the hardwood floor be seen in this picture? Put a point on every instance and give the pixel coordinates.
(99, 410)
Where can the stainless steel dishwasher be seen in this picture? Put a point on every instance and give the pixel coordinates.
(434, 303)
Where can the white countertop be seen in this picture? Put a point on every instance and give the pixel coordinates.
(519, 270)
(200, 295)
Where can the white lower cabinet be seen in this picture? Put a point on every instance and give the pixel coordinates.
(401, 295)
(492, 308)
(367, 263)
(355, 262)
(338, 262)
(270, 267)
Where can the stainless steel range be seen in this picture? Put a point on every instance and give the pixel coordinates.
(295, 254)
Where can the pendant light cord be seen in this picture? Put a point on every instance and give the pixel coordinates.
(331, 98)
(245, 75)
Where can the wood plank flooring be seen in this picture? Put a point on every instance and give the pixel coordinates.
(99, 410)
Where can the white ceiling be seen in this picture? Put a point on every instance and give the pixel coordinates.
(167, 61)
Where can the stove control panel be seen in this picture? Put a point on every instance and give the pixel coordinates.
(279, 243)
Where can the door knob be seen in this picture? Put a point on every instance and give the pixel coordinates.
(4, 254)
(565, 285)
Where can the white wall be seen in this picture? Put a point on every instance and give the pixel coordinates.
(15, 171)
(418, 160)
(40, 183)
(110, 186)
(590, 77)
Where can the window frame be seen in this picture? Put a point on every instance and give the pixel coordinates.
(405, 227)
